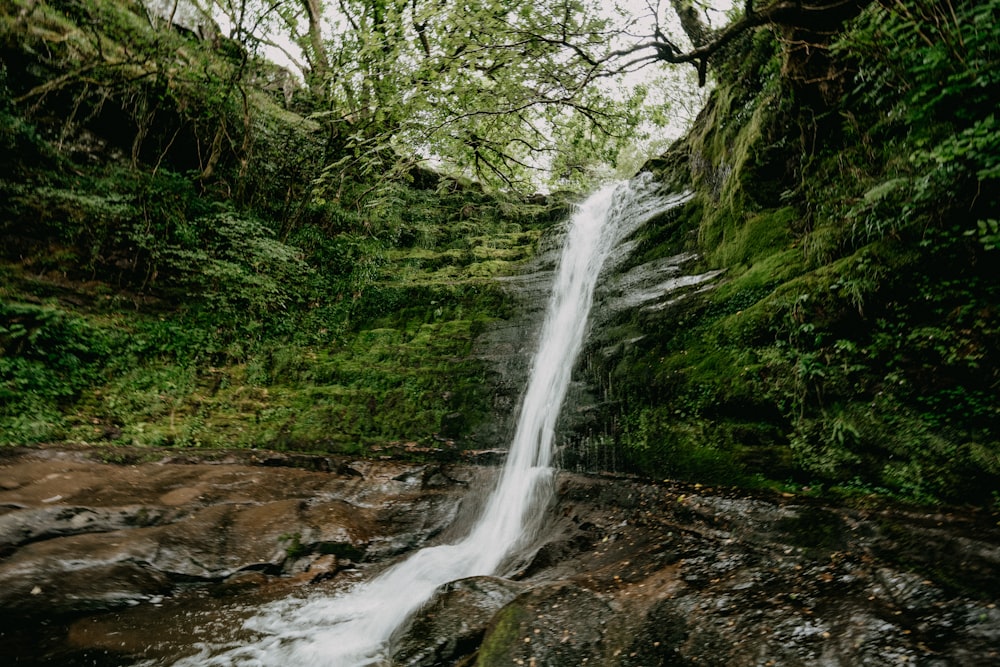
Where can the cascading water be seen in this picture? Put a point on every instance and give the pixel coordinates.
(354, 629)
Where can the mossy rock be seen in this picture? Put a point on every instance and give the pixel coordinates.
(557, 624)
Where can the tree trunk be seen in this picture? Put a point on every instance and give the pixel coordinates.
(320, 61)
(692, 24)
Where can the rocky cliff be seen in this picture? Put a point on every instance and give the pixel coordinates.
(843, 328)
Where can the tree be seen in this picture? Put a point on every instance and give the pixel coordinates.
(823, 16)
(487, 88)
(502, 91)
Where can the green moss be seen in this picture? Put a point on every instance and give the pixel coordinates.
(759, 237)
(840, 347)
(669, 443)
(503, 635)
(384, 364)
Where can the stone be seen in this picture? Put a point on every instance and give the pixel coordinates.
(452, 623)
(90, 586)
(240, 582)
(325, 567)
(624, 572)
(555, 624)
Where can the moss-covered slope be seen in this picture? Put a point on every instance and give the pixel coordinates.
(847, 186)
(176, 269)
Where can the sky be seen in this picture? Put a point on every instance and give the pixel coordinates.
(671, 87)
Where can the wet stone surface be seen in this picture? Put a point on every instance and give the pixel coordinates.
(454, 621)
(115, 564)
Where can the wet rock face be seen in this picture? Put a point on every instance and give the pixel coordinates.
(554, 624)
(697, 577)
(145, 562)
(453, 622)
(634, 298)
(507, 345)
(76, 535)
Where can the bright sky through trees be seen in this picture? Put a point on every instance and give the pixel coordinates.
(513, 93)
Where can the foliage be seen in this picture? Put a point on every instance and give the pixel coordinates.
(353, 332)
(514, 94)
(228, 272)
(238, 266)
(47, 359)
(491, 89)
(196, 292)
(931, 68)
(851, 342)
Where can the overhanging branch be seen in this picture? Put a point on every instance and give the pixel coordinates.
(817, 15)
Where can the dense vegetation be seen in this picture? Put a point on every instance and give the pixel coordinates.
(175, 272)
(191, 259)
(847, 184)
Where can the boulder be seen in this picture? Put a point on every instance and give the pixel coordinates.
(452, 623)
(548, 626)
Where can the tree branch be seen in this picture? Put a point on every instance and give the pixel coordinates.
(820, 15)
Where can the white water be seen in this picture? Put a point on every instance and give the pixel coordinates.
(354, 629)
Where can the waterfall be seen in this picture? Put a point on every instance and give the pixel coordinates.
(353, 629)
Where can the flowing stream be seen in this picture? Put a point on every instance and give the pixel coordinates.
(354, 629)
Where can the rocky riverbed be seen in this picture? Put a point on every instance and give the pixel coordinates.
(157, 556)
